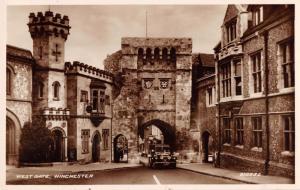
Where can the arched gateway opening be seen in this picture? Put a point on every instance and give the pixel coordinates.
(120, 149)
(206, 146)
(156, 132)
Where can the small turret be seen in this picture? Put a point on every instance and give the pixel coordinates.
(41, 25)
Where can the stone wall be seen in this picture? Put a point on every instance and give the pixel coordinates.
(138, 103)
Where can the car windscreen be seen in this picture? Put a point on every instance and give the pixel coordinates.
(162, 149)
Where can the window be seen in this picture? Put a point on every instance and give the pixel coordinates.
(40, 90)
(227, 131)
(231, 31)
(287, 63)
(84, 96)
(238, 77)
(226, 79)
(210, 96)
(107, 100)
(148, 54)
(289, 133)
(105, 135)
(102, 102)
(140, 54)
(8, 81)
(256, 72)
(85, 135)
(165, 54)
(41, 52)
(95, 100)
(257, 16)
(98, 101)
(173, 55)
(239, 131)
(156, 53)
(56, 87)
(257, 131)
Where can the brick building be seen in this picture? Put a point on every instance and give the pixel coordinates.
(255, 89)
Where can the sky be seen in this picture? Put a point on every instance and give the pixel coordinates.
(96, 30)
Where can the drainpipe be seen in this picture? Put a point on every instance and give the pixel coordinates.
(219, 119)
(111, 142)
(267, 158)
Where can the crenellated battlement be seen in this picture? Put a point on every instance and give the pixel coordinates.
(48, 24)
(134, 45)
(56, 113)
(87, 70)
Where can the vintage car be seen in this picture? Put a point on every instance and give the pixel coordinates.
(161, 156)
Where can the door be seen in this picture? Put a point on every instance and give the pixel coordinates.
(96, 148)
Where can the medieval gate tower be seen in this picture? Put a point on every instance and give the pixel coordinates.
(155, 90)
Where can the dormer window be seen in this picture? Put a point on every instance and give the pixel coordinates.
(257, 16)
(231, 31)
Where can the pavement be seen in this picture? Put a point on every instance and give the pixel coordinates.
(206, 169)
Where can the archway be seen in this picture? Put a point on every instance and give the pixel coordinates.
(58, 146)
(148, 135)
(120, 149)
(205, 146)
(13, 131)
(11, 151)
(96, 147)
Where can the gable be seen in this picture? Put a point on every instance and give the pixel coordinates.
(231, 12)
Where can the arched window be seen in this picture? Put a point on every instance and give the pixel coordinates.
(165, 54)
(56, 87)
(140, 54)
(148, 54)
(8, 81)
(156, 53)
(40, 90)
(173, 55)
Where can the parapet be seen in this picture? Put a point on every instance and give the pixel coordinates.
(131, 45)
(56, 113)
(87, 70)
(48, 24)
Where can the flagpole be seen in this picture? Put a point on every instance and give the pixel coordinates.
(146, 24)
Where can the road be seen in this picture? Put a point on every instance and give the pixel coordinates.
(139, 175)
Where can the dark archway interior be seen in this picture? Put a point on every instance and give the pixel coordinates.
(57, 146)
(96, 148)
(167, 130)
(205, 142)
(120, 149)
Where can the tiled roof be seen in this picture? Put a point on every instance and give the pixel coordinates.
(18, 52)
(207, 60)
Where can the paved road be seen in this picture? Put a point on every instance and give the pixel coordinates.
(139, 175)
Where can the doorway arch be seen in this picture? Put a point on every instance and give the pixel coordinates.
(120, 149)
(11, 150)
(58, 145)
(166, 129)
(13, 131)
(96, 146)
(206, 141)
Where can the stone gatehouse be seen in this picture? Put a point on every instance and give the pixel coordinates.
(154, 89)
